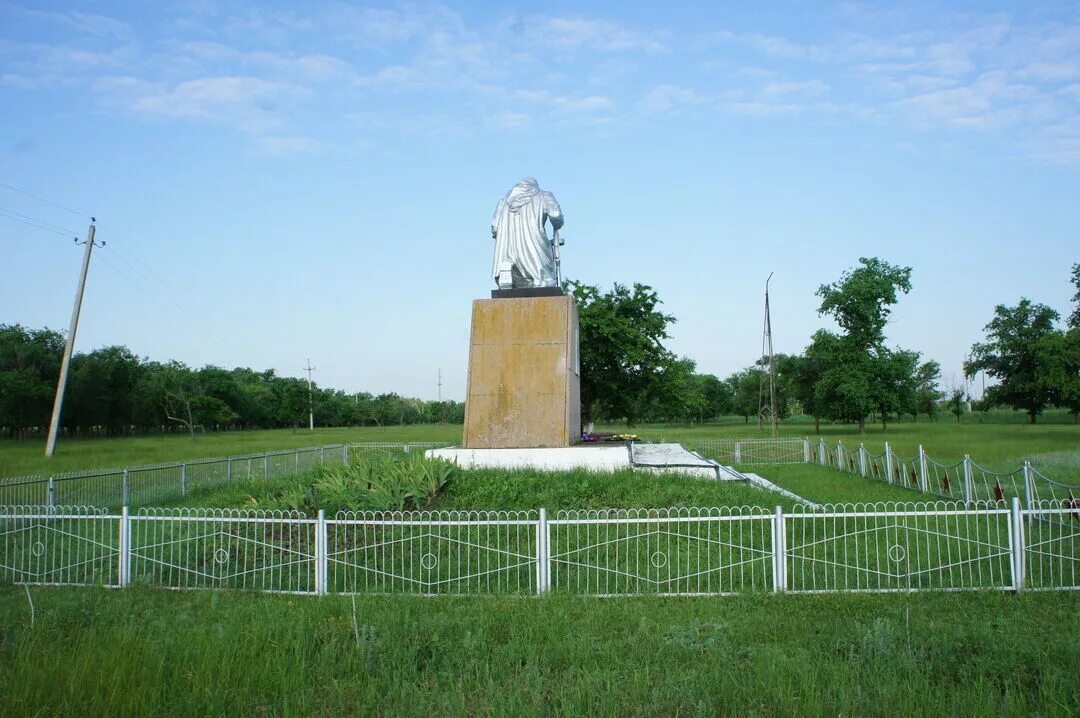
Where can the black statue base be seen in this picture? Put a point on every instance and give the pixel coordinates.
(524, 292)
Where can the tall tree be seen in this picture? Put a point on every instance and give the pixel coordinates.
(927, 392)
(623, 357)
(1010, 355)
(1074, 318)
(860, 303)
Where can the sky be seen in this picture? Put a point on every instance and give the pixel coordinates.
(282, 181)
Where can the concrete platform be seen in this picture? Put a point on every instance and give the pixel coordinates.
(665, 458)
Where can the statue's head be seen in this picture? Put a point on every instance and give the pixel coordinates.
(529, 182)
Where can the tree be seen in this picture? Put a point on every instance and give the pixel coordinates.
(1011, 356)
(622, 354)
(956, 399)
(745, 387)
(1074, 318)
(850, 386)
(1058, 369)
(927, 392)
(894, 387)
(808, 371)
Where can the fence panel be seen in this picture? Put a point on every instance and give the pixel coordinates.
(898, 547)
(662, 551)
(61, 545)
(751, 451)
(446, 552)
(1052, 545)
(223, 548)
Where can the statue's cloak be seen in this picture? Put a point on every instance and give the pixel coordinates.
(521, 241)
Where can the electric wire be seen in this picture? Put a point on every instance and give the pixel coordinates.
(36, 223)
(45, 201)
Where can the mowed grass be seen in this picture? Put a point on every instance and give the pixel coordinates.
(146, 652)
(991, 443)
(27, 457)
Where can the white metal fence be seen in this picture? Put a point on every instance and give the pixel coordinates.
(962, 480)
(682, 551)
(155, 483)
(750, 452)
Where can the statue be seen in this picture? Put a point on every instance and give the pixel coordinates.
(524, 257)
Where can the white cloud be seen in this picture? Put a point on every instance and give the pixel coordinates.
(285, 145)
(664, 98)
(248, 103)
(569, 32)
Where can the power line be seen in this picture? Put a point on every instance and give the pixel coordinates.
(37, 223)
(77, 213)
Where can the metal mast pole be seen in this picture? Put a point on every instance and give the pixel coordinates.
(767, 355)
(310, 401)
(440, 386)
(69, 345)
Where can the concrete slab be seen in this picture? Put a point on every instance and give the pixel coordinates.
(665, 458)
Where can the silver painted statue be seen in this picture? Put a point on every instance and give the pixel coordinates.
(524, 256)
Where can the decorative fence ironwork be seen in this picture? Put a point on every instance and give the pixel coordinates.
(963, 480)
(943, 546)
(155, 483)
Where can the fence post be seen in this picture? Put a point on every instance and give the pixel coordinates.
(888, 463)
(543, 554)
(969, 480)
(806, 451)
(320, 553)
(862, 460)
(821, 451)
(923, 480)
(345, 454)
(51, 499)
(1029, 485)
(228, 469)
(125, 548)
(1016, 522)
(322, 455)
(840, 455)
(296, 461)
(738, 453)
(406, 449)
(126, 489)
(183, 479)
(779, 536)
(266, 466)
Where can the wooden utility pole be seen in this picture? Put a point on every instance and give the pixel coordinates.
(69, 345)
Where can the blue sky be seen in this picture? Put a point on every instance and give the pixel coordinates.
(279, 181)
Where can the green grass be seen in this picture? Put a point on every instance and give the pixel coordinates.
(145, 652)
(992, 444)
(486, 489)
(828, 486)
(26, 457)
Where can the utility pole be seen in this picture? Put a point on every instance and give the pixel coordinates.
(310, 401)
(69, 345)
(440, 386)
(767, 410)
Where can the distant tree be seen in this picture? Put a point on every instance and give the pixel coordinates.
(1074, 318)
(745, 389)
(927, 392)
(622, 354)
(956, 399)
(808, 372)
(895, 385)
(849, 388)
(1011, 356)
(29, 366)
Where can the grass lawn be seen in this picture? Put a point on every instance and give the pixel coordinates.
(142, 652)
(26, 457)
(992, 443)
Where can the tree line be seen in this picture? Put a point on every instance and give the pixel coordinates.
(851, 375)
(111, 391)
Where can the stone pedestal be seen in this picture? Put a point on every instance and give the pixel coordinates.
(524, 388)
